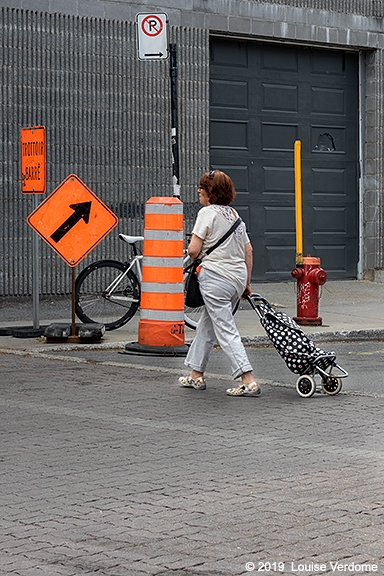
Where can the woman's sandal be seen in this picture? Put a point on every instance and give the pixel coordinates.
(196, 383)
(251, 389)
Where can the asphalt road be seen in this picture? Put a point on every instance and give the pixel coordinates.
(364, 362)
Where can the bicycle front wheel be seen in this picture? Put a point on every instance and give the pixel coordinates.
(106, 293)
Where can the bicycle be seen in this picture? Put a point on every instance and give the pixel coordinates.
(108, 291)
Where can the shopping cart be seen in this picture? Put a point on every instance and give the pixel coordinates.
(298, 351)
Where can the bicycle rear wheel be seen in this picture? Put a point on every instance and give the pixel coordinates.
(106, 295)
(192, 316)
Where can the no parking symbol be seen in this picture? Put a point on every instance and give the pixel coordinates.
(152, 25)
(152, 36)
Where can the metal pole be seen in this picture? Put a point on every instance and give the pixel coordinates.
(175, 122)
(298, 203)
(35, 272)
(73, 278)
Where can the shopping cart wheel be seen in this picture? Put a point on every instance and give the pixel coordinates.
(332, 385)
(305, 386)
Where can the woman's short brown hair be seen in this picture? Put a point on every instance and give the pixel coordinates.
(219, 187)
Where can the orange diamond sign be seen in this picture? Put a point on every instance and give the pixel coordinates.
(72, 220)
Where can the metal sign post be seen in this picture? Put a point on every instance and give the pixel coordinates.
(33, 181)
(35, 275)
(152, 44)
(175, 122)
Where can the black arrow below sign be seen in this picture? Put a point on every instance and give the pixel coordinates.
(81, 211)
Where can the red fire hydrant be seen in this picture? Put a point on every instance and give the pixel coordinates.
(309, 277)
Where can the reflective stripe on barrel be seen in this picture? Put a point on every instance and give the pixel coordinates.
(154, 269)
(162, 290)
(163, 243)
(156, 219)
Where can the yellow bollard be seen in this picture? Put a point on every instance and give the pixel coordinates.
(298, 203)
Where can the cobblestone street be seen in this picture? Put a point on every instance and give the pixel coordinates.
(119, 472)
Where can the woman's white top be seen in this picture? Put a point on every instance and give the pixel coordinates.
(228, 260)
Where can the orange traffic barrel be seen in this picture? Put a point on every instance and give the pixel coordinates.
(161, 321)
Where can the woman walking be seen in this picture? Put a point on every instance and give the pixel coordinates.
(224, 277)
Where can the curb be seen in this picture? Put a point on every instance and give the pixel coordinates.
(317, 337)
(336, 336)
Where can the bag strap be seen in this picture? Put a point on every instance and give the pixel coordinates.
(212, 248)
(226, 235)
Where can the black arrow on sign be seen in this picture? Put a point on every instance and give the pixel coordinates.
(81, 212)
(156, 54)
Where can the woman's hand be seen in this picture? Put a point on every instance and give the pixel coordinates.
(247, 291)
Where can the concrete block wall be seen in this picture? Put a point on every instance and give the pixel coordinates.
(108, 120)
(72, 66)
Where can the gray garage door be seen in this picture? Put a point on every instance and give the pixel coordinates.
(263, 98)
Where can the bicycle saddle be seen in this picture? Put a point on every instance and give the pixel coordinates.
(131, 239)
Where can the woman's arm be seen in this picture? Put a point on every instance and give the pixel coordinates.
(248, 263)
(194, 247)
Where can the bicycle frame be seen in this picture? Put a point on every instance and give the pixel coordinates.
(134, 263)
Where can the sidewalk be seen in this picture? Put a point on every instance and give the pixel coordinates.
(350, 309)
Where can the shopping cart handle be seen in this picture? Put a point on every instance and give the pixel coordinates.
(255, 300)
(261, 298)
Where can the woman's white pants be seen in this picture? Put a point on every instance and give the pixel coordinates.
(217, 325)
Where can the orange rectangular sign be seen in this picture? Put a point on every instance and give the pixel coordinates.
(32, 160)
(72, 220)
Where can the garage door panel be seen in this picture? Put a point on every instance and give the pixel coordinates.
(278, 180)
(279, 58)
(233, 54)
(327, 62)
(279, 220)
(329, 181)
(279, 97)
(278, 137)
(229, 94)
(329, 220)
(326, 138)
(227, 134)
(329, 101)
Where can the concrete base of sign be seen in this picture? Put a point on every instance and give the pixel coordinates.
(92, 330)
(22, 331)
(143, 350)
(60, 332)
(5, 331)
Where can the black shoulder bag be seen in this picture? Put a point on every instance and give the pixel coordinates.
(193, 297)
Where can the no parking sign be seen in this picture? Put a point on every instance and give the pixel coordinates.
(152, 36)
